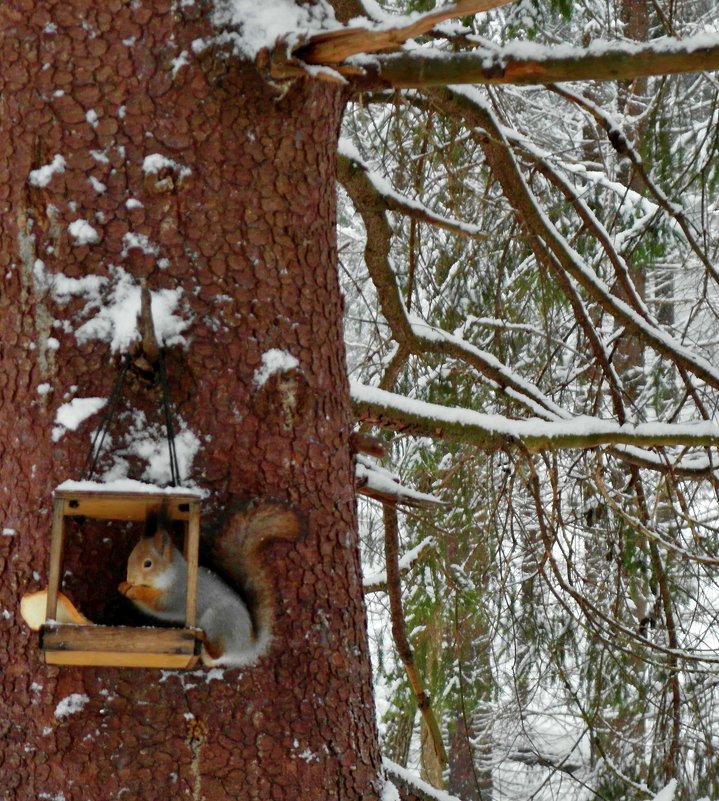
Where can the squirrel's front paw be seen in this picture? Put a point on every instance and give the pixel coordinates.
(142, 595)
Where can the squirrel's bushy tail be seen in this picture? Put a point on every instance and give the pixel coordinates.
(237, 549)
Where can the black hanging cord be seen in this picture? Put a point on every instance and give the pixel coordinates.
(99, 438)
(174, 467)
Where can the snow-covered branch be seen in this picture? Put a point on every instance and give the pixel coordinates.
(531, 63)
(493, 432)
(349, 161)
(624, 147)
(399, 631)
(377, 582)
(413, 787)
(378, 483)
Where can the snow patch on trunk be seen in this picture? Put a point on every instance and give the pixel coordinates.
(260, 25)
(156, 162)
(71, 705)
(83, 233)
(42, 176)
(148, 443)
(274, 361)
(116, 320)
(70, 415)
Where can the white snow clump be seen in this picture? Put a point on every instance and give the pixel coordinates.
(83, 233)
(71, 415)
(43, 175)
(261, 24)
(155, 162)
(274, 361)
(71, 705)
(116, 319)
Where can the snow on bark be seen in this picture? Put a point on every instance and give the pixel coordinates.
(42, 176)
(70, 415)
(156, 162)
(71, 705)
(252, 26)
(274, 361)
(83, 233)
(116, 319)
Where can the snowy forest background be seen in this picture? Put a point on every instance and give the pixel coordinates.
(562, 603)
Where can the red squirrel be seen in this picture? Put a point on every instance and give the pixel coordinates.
(237, 629)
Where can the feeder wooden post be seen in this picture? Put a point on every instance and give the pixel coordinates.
(57, 545)
(192, 545)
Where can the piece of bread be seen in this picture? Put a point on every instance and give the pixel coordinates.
(33, 608)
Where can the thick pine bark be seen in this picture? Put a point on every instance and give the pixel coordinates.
(249, 236)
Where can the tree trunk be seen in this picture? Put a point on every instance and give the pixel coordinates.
(242, 219)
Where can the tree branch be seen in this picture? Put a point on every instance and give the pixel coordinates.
(533, 758)
(377, 582)
(411, 787)
(623, 147)
(494, 432)
(380, 484)
(394, 201)
(537, 64)
(399, 630)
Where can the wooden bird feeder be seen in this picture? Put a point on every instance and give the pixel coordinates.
(122, 646)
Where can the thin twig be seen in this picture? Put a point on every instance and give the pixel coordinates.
(399, 629)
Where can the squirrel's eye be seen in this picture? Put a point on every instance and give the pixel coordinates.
(147, 563)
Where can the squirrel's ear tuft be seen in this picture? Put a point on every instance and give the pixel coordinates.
(151, 524)
(157, 520)
(163, 542)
